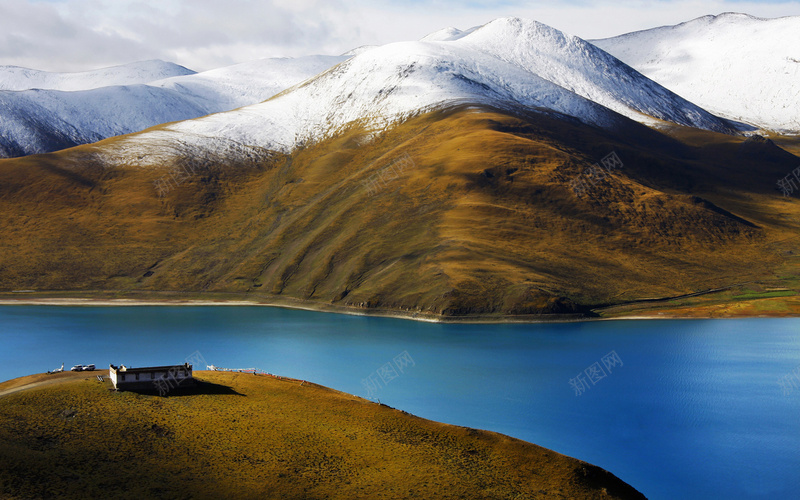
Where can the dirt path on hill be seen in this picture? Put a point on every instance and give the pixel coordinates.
(43, 379)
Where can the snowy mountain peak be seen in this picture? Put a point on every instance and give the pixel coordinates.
(738, 66)
(586, 70)
(516, 28)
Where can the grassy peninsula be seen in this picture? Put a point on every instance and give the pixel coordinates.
(243, 436)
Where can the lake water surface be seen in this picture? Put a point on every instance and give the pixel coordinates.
(678, 409)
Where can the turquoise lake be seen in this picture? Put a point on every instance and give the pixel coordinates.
(677, 408)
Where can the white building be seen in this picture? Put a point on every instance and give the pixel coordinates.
(151, 378)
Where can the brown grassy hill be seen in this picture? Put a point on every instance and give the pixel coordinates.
(244, 436)
(454, 214)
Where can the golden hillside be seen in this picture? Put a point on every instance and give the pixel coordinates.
(242, 436)
(452, 214)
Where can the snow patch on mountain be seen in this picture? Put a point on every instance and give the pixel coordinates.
(735, 65)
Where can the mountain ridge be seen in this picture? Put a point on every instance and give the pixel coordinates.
(19, 78)
(42, 120)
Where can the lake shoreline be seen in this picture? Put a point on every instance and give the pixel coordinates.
(296, 304)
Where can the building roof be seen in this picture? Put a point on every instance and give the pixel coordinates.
(146, 369)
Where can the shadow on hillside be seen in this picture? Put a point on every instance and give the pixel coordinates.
(197, 388)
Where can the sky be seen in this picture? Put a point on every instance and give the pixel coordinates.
(75, 35)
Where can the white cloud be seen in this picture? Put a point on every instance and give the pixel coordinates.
(69, 35)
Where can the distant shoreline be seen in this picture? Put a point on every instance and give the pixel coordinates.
(296, 304)
(325, 308)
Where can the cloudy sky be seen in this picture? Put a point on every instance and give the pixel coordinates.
(73, 35)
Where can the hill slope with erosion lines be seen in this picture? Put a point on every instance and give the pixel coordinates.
(451, 214)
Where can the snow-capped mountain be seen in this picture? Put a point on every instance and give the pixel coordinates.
(738, 66)
(16, 78)
(580, 67)
(37, 121)
(508, 63)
